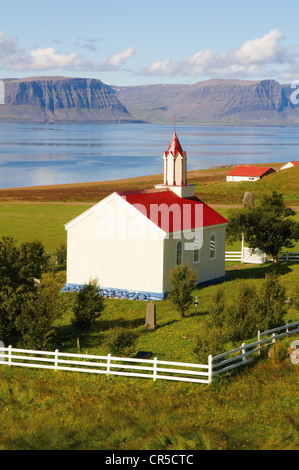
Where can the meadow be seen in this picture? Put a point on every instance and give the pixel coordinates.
(255, 408)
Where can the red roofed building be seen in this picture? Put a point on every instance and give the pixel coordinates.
(130, 240)
(249, 173)
(289, 165)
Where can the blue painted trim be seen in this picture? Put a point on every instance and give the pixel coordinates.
(112, 292)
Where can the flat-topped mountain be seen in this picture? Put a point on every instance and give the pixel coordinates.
(264, 102)
(61, 99)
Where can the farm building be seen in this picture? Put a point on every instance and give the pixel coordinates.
(130, 240)
(248, 173)
(289, 165)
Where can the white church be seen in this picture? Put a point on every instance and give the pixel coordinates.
(130, 240)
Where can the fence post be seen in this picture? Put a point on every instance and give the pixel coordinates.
(259, 345)
(287, 329)
(9, 355)
(56, 359)
(210, 369)
(108, 363)
(243, 352)
(155, 369)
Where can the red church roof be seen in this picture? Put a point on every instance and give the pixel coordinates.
(295, 163)
(254, 171)
(175, 146)
(170, 212)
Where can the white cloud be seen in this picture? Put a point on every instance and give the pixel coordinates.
(13, 57)
(251, 59)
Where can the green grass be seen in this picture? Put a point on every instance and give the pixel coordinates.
(174, 338)
(44, 222)
(256, 408)
(285, 182)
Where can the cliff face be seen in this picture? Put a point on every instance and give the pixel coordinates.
(212, 101)
(89, 100)
(61, 99)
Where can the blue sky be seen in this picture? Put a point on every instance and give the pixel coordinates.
(145, 42)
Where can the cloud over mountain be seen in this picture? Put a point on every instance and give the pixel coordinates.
(249, 60)
(14, 57)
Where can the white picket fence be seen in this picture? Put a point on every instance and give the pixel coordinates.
(146, 368)
(233, 256)
(288, 256)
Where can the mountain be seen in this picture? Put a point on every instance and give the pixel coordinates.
(264, 102)
(61, 99)
(212, 101)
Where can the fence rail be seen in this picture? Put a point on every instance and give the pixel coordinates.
(146, 368)
(233, 256)
(288, 256)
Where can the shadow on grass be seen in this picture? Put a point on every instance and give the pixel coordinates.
(258, 272)
(92, 337)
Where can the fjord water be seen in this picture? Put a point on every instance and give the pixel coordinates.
(34, 154)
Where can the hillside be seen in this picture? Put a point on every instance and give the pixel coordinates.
(212, 101)
(61, 99)
(210, 186)
(264, 102)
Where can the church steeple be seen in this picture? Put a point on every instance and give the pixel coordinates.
(175, 169)
(175, 164)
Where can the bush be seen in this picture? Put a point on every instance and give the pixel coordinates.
(237, 319)
(61, 254)
(121, 341)
(182, 281)
(89, 306)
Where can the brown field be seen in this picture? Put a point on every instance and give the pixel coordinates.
(94, 192)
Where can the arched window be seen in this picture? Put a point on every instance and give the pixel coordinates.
(179, 253)
(196, 251)
(213, 246)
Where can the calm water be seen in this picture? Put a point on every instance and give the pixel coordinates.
(40, 154)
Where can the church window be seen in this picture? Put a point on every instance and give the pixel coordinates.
(213, 246)
(179, 253)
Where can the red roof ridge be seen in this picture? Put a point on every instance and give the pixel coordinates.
(247, 170)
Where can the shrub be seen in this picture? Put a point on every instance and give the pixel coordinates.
(121, 341)
(237, 319)
(182, 281)
(89, 305)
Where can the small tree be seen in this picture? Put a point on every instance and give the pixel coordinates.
(271, 307)
(182, 280)
(61, 254)
(20, 265)
(40, 310)
(267, 226)
(237, 319)
(89, 305)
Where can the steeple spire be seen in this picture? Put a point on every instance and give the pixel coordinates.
(175, 168)
(175, 163)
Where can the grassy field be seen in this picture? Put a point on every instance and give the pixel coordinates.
(256, 408)
(45, 222)
(60, 410)
(253, 409)
(210, 186)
